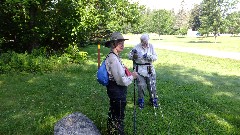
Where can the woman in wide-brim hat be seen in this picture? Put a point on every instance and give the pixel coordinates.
(115, 37)
(118, 82)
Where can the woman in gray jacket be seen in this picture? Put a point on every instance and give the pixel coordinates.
(118, 82)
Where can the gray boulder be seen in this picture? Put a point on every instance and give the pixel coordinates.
(75, 124)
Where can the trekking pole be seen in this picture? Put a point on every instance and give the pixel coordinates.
(134, 100)
(159, 104)
(134, 113)
(152, 94)
(150, 85)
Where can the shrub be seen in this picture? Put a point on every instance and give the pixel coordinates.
(39, 61)
(74, 55)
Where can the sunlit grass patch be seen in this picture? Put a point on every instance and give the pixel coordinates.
(228, 128)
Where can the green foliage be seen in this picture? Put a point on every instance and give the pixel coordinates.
(213, 14)
(156, 21)
(19, 62)
(144, 24)
(32, 24)
(233, 23)
(183, 30)
(74, 54)
(194, 21)
(181, 20)
(162, 22)
(38, 61)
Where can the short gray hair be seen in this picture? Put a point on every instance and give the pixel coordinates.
(144, 37)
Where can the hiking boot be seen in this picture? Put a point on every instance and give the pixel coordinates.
(141, 103)
(154, 102)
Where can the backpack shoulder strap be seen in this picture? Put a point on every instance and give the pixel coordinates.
(110, 53)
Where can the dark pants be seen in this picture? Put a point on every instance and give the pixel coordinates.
(116, 116)
(117, 95)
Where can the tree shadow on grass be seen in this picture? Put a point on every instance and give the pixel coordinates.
(193, 101)
(237, 36)
(190, 99)
(180, 36)
(199, 99)
(43, 99)
(202, 42)
(157, 39)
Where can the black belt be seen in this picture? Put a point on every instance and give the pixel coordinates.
(143, 64)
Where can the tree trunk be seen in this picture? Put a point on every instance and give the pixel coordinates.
(32, 24)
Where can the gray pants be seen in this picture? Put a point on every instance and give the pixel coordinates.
(150, 83)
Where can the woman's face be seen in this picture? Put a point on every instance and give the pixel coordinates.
(120, 46)
(144, 43)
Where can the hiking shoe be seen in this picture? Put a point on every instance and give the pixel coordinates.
(154, 102)
(141, 103)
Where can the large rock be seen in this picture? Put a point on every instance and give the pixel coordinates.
(75, 124)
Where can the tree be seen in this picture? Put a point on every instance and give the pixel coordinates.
(182, 18)
(162, 22)
(144, 23)
(213, 13)
(55, 24)
(37, 23)
(233, 23)
(194, 21)
(123, 15)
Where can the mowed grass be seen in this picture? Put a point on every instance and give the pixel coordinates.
(223, 43)
(197, 94)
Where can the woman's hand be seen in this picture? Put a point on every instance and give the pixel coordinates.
(134, 74)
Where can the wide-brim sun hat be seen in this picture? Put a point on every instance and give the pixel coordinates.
(115, 37)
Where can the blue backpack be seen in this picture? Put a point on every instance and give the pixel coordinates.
(102, 74)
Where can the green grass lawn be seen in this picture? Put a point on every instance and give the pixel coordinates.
(223, 43)
(198, 95)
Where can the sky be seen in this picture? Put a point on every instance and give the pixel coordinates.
(167, 4)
